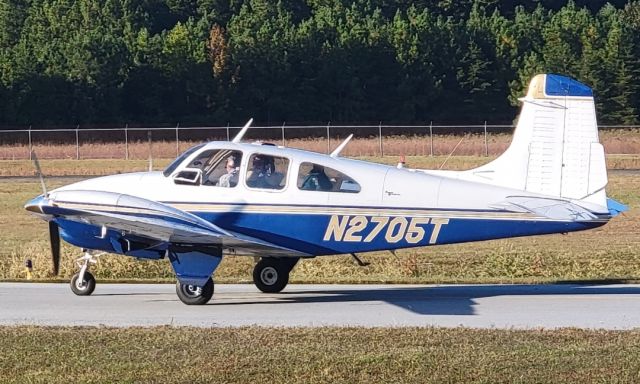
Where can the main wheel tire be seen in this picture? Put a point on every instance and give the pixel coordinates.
(271, 275)
(84, 287)
(194, 295)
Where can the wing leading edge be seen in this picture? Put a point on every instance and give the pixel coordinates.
(148, 219)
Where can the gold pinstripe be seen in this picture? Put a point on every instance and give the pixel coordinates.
(311, 210)
(369, 211)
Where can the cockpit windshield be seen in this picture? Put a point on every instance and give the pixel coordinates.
(175, 163)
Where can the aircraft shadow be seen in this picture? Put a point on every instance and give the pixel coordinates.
(431, 300)
(128, 294)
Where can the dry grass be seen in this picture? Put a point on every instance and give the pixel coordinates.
(97, 167)
(78, 167)
(614, 141)
(322, 355)
(610, 252)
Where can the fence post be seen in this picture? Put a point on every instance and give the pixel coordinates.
(283, 142)
(486, 144)
(30, 145)
(228, 139)
(126, 141)
(177, 140)
(150, 155)
(380, 139)
(431, 138)
(328, 139)
(77, 143)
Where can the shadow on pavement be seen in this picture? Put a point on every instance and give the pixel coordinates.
(431, 300)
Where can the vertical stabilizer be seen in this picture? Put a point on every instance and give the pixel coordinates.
(555, 149)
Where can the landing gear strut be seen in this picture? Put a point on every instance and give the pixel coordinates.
(83, 283)
(271, 275)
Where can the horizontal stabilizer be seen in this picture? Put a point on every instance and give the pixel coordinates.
(616, 207)
(555, 209)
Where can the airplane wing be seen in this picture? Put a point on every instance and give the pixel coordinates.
(148, 219)
(556, 209)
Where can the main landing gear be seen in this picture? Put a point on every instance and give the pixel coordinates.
(83, 283)
(194, 295)
(271, 274)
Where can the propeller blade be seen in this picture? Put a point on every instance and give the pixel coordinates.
(36, 163)
(54, 237)
(244, 129)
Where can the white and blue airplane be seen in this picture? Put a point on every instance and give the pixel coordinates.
(282, 204)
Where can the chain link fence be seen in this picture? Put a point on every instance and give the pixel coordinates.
(167, 142)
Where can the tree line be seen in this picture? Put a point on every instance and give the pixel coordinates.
(307, 61)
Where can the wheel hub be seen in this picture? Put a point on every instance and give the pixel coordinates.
(269, 275)
(193, 290)
(81, 284)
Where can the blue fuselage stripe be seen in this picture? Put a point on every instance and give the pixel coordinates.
(308, 232)
(325, 234)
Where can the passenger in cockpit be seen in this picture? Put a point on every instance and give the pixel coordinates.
(263, 173)
(317, 180)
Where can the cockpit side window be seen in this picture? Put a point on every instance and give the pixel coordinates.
(316, 177)
(219, 167)
(267, 172)
(175, 163)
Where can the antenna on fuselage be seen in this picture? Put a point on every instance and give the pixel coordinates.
(340, 147)
(244, 129)
(451, 154)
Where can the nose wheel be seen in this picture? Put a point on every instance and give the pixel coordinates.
(83, 283)
(271, 275)
(83, 286)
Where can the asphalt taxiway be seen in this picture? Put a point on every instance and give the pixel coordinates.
(481, 306)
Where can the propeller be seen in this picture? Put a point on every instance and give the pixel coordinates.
(54, 237)
(36, 163)
(54, 231)
(244, 129)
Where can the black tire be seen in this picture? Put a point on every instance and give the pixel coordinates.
(85, 287)
(271, 275)
(194, 295)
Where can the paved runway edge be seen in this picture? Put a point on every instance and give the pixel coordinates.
(474, 306)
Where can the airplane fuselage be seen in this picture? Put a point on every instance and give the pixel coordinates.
(395, 208)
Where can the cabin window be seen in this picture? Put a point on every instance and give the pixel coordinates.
(316, 177)
(267, 172)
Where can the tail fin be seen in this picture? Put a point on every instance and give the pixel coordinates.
(555, 149)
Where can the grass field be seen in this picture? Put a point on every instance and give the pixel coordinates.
(324, 355)
(610, 252)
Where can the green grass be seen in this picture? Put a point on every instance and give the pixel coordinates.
(323, 355)
(609, 252)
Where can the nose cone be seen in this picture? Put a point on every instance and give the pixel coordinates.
(35, 205)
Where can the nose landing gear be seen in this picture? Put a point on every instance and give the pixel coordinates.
(83, 283)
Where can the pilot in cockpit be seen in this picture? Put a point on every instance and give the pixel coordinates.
(229, 179)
